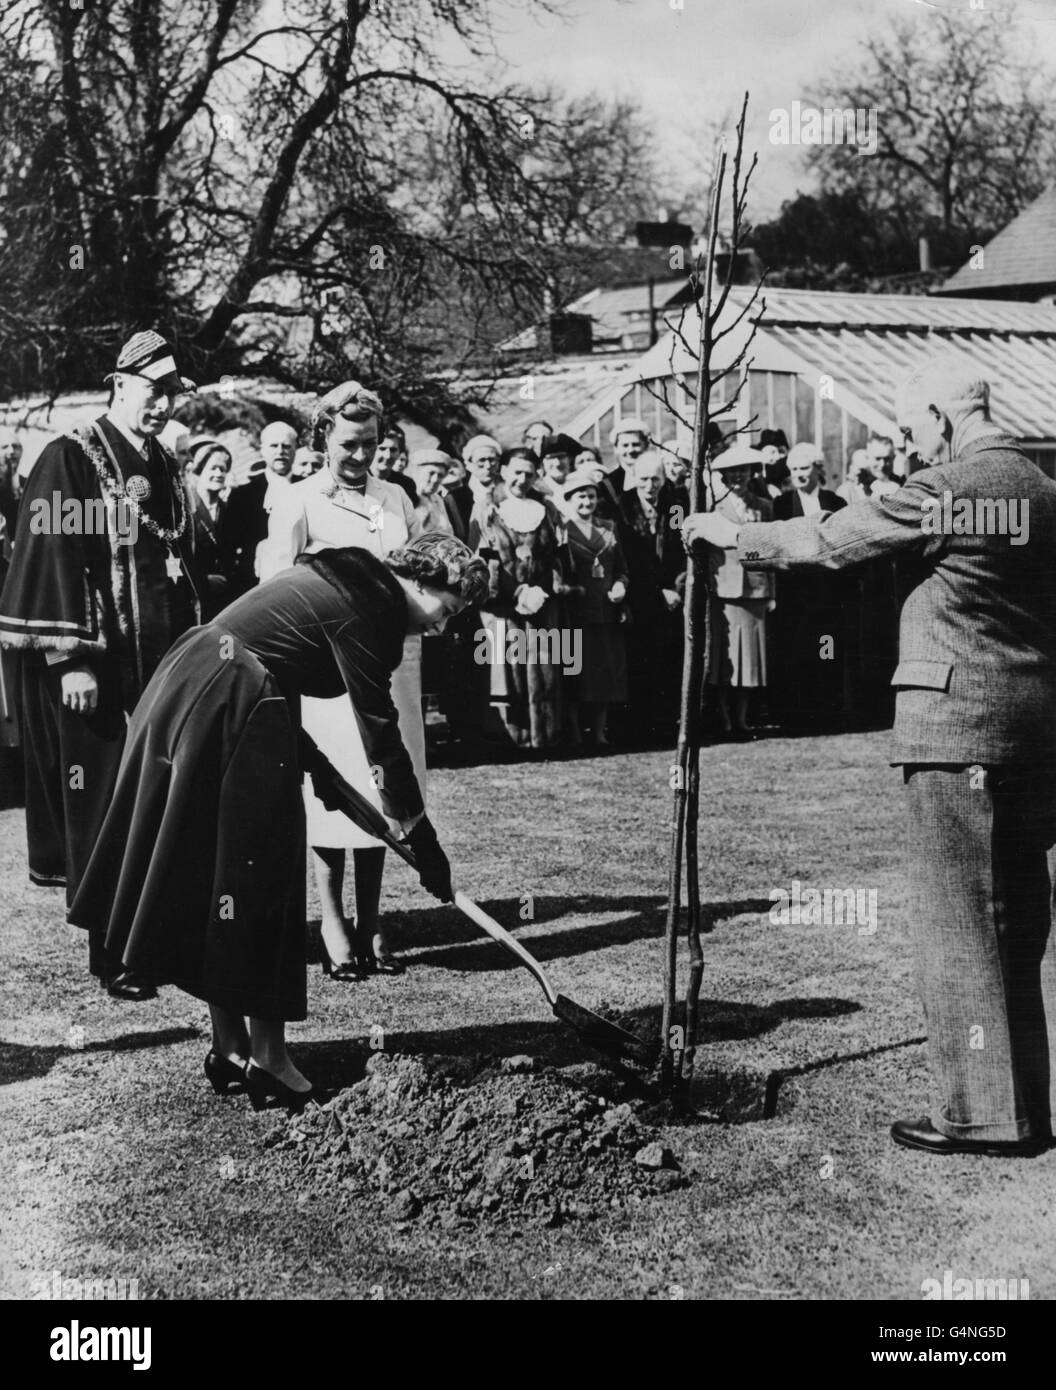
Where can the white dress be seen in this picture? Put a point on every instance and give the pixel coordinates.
(314, 515)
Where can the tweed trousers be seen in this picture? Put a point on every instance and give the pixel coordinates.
(981, 914)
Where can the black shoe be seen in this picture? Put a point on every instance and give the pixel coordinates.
(922, 1134)
(221, 1073)
(261, 1087)
(371, 964)
(349, 972)
(126, 984)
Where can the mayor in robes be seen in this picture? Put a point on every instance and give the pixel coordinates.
(102, 581)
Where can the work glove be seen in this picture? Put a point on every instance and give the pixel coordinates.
(434, 872)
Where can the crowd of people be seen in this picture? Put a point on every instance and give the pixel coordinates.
(579, 641)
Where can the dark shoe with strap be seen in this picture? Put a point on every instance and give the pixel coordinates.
(349, 972)
(126, 984)
(384, 965)
(222, 1073)
(921, 1134)
(262, 1087)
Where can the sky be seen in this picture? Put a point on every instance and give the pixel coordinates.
(690, 66)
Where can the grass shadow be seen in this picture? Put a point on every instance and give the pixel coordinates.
(451, 942)
(24, 1062)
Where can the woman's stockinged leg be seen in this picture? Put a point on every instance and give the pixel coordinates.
(329, 866)
(268, 1047)
(369, 869)
(230, 1036)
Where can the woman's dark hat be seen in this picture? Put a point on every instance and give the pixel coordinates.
(560, 444)
(774, 437)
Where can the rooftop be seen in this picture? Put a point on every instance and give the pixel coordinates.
(1022, 255)
(614, 313)
(868, 342)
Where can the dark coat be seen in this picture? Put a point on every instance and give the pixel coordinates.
(655, 559)
(402, 481)
(243, 526)
(197, 875)
(209, 559)
(461, 498)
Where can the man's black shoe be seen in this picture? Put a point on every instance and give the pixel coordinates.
(128, 985)
(922, 1134)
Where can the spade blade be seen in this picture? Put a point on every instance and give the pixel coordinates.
(600, 1033)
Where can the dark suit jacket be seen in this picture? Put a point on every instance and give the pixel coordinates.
(788, 504)
(401, 480)
(976, 677)
(462, 500)
(243, 525)
(655, 560)
(454, 515)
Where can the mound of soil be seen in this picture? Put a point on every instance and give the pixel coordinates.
(443, 1144)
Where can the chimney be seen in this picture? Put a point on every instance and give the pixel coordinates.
(925, 254)
(569, 334)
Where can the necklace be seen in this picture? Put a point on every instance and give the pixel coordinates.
(86, 438)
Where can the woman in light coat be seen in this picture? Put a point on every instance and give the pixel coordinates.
(345, 505)
(741, 599)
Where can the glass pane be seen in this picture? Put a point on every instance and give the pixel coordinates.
(804, 431)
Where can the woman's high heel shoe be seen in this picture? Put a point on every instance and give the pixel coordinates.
(371, 964)
(222, 1073)
(349, 972)
(261, 1087)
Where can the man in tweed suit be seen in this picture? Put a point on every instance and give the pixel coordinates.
(975, 736)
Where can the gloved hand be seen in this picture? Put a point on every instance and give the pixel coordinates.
(434, 872)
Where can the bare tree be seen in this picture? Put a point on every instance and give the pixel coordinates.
(678, 1033)
(302, 188)
(965, 129)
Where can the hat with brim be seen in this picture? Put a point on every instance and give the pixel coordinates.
(738, 456)
(201, 450)
(773, 437)
(425, 458)
(630, 425)
(480, 441)
(577, 481)
(560, 444)
(148, 355)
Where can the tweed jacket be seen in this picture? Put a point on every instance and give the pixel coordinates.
(976, 677)
(731, 579)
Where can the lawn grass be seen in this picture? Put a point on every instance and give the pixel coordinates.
(120, 1163)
